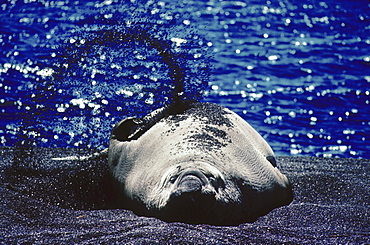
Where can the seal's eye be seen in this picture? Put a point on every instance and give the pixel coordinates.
(173, 179)
(272, 160)
(123, 130)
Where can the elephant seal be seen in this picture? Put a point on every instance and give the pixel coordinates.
(195, 163)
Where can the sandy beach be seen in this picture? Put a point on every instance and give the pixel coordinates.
(71, 202)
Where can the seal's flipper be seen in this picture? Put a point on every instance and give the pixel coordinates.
(272, 160)
(132, 128)
(125, 128)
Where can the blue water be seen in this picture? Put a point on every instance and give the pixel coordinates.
(297, 71)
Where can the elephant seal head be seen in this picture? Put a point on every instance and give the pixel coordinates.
(198, 164)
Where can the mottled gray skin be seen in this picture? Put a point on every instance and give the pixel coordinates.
(200, 163)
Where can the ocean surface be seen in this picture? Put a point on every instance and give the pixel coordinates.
(297, 71)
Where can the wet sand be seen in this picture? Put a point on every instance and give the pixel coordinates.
(48, 202)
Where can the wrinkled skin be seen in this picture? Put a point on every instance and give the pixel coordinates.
(200, 163)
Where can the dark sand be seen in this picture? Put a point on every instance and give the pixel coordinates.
(53, 202)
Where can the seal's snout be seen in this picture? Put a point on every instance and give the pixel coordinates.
(194, 192)
(190, 183)
(194, 180)
(191, 180)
